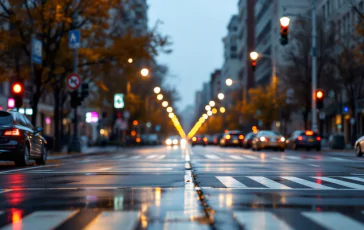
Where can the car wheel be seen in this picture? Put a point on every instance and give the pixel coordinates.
(43, 159)
(358, 151)
(24, 159)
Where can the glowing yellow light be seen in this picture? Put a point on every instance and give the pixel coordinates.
(254, 55)
(171, 115)
(229, 82)
(144, 72)
(285, 21)
(157, 90)
(169, 109)
(130, 60)
(209, 113)
(160, 97)
(208, 108)
(214, 110)
(221, 96)
(165, 104)
(212, 103)
(222, 110)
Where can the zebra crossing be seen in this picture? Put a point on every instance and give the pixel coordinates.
(290, 182)
(283, 158)
(131, 220)
(251, 220)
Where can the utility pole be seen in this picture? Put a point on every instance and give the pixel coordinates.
(314, 80)
(75, 143)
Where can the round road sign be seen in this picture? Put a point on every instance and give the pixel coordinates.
(73, 81)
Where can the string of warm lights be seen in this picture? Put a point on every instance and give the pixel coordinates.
(171, 115)
(210, 110)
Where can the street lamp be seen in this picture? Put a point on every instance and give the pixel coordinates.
(221, 96)
(212, 103)
(284, 21)
(160, 97)
(202, 120)
(205, 116)
(222, 110)
(229, 82)
(208, 108)
(144, 72)
(130, 60)
(209, 113)
(171, 115)
(169, 109)
(254, 55)
(214, 111)
(157, 90)
(165, 104)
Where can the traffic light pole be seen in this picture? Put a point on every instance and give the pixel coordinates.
(75, 143)
(314, 80)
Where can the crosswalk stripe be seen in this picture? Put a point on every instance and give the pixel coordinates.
(162, 157)
(151, 156)
(41, 220)
(251, 157)
(230, 182)
(252, 220)
(306, 182)
(277, 158)
(135, 157)
(236, 157)
(293, 158)
(212, 156)
(121, 156)
(340, 182)
(333, 220)
(354, 178)
(268, 182)
(115, 220)
(338, 159)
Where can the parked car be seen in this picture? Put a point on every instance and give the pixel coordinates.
(150, 139)
(20, 141)
(304, 139)
(359, 146)
(232, 138)
(248, 140)
(208, 139)
(198, 140)
(217, 138)
(267, 139)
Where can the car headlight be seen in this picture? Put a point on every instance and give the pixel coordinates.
(283, 139)
(262, 138)
(175, 141)
(168, 141)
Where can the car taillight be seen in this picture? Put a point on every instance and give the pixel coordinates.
(13, 132)
(241, 137)
(318, 138)
(228, 137)
(300, 138)
(205, 139)
(309, 133)
(194, 139)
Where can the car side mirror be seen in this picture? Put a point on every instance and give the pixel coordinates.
(38, 130)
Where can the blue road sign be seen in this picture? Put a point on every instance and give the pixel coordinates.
(36, 51)
(74, 39)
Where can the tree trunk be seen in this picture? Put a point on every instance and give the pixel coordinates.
(57, 137)
(35, 101)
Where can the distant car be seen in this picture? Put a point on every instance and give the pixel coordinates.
(173, 140)
(217, 138)
(208, 139)
(302, 139)
(20, 141)
(198, 140)
(359, 146)
(150, 139)
(232, 138)
(248, 140)
(267, 139)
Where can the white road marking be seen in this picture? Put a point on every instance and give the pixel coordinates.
(28, 168)
(112, 171)
(121, 156)
(340, 182)
(251, 157)
(306, 182)
(333, 220)
(188, 179)
(230, 182)
(338, 159)
(293, 158)
(236, 157)
(115, 220)
(313, 165)
(41, 220)
(354, 178)
(162, 157)
(277, 158)
(252, 220)
(135, 157)
(213, 157)
(268, 182)
(151, 156)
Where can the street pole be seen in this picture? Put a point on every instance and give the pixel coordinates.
(75, 143)
(313, 112)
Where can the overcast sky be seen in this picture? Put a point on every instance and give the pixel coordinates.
(196, 28)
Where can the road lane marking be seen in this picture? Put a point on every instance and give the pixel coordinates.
(252, 220)
(115, 220)
(121, 156)
(135, 157)
(151, 156)
(236, 157)
(306, 182)
(230, 182)
(251, 157)
(354, 178)
(268, 182)
(333, 220)
(293, 158)
(28, 168)
(277, 158)
(212, 157)
(313, 165)
(162, 157)
(41, 220)
(340, 182)
(338, 159)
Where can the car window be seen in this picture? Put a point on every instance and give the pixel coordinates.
(5, 118)
(26, 122)
(18, 119)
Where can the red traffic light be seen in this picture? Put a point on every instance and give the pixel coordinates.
(17, 88)
(254, 63)
(319, 94)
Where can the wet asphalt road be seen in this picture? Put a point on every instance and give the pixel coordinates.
(187, 188)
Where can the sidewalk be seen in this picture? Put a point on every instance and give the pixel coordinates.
(84, 151)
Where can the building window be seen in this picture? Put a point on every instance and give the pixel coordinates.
(233, 48)
(233, 56)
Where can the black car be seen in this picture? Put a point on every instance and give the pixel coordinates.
(232, 138)
(248, 140)
(20, 141)
(198, 140)
(217, 138)
(305, 140)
